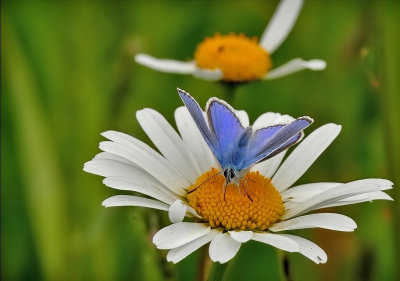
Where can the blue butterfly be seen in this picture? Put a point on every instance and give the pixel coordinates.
(235, 147)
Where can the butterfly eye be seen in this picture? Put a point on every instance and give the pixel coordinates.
(226, 174)
(232, 174)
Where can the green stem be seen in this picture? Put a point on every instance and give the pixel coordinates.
(229, 91)
(285, 266)
(217, 271)
(204, 264)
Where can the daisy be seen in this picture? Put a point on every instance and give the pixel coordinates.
(183, 179)
(236, 58)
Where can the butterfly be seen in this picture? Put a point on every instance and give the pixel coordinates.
(236, 147)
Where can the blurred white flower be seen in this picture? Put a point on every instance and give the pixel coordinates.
(236, 58)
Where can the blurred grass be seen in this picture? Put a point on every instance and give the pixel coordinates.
(68, 74)
(46, 192)
(389, 21)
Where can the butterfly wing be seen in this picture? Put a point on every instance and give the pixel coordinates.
(267, 142)
(198, 117)
(262, 136)
(231, 136)
(235, 146)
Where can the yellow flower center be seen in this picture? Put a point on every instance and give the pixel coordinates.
(239, 58)
(236, 210)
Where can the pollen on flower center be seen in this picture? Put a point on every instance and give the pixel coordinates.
(239, 58)
(236, 210)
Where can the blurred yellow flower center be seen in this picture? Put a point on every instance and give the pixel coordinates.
(236, 210)
(239, 58)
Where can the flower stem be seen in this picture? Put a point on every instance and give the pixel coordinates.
(204, 264)
(229, 91)
(283, 258)
(217, 271)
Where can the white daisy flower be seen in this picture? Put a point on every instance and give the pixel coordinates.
(185, 162)
(236, 58)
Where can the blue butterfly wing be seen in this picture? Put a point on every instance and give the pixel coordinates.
(232, 137)
(198, 117)
(235, 146)
(262, 136)
(278, 137)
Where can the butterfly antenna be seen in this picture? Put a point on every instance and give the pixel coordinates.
(245, 189)
(193, 190)
(238, 187)
(251, 179)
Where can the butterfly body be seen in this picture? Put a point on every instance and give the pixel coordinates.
(236, 147)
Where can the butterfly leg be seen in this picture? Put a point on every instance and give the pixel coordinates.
(238, 187)
(224, 189)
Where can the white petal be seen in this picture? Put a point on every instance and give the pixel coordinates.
(271, 118)
(301, 193)
(166, 65)
(241, 236)
(304, 155)
(304, 192)
(178, 234)
(179, 67)
(109, 156)
(208, 74)
(279, 241)
(145, 157)
(322, 220)
(264, 120)
(151, 162)
(243, 117)
(168, 143)
(223, 248)
(194, 140)
(309, 249)
(293, 66)
(124, 176)
(193, 212)
(142, 185)
(127, 200)
(109, 167)
(338, 193)
(269, 166)
(177, 254)
(177, 211)
(281, 24)
(377, 195)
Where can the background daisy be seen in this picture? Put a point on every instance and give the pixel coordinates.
(236, 58)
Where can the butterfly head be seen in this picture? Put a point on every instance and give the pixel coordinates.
(231, 175)
(234, 176)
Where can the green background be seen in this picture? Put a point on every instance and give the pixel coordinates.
(67, 74)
